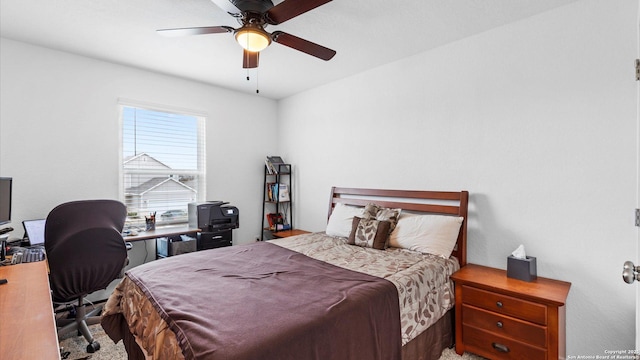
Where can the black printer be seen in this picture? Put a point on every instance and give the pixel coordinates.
(215, 219)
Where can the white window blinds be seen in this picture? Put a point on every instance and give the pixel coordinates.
(162, 163)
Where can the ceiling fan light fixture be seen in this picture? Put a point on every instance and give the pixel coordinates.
(253, 39)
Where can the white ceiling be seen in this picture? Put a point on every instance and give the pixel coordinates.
(365, 34)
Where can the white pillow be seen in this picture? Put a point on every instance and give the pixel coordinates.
(341, 219)
(431, 234)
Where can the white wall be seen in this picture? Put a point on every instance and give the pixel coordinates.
(536, 119)
(59, 131)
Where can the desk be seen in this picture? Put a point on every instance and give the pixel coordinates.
(162, 232)
(27, 323)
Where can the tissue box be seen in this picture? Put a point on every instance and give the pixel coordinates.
(522, 269)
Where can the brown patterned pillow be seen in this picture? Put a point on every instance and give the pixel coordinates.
(375, 211)
(370, 233)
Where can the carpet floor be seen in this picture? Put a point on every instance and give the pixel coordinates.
(76, 346)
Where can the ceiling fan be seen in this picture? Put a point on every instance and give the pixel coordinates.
(254, 16)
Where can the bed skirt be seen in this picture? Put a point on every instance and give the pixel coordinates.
(426, 346)
(431, 342)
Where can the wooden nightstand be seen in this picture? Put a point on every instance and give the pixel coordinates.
(287, 233)
(502, 318)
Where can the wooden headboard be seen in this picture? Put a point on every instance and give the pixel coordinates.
(434, 202)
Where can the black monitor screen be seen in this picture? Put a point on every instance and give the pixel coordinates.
(5, 200)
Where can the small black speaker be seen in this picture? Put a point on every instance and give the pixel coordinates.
(3, 251)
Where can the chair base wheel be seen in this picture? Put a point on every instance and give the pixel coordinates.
(93, 347)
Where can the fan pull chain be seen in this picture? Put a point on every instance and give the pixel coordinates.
(257, 87)
(249, 79)
(246, 60)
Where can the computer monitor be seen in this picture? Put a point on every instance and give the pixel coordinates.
(5, 200)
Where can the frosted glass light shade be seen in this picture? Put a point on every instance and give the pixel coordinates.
(253, 39)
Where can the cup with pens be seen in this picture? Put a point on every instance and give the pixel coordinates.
(150, 221)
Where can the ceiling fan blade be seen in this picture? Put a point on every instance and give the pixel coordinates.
(289, 9)
(250, 59)
(195, 31)
(227, 6)
(303, 45)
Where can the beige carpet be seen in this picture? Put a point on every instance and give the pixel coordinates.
(77, 345)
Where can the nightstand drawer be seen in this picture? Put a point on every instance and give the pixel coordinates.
(504, 304)
(497, 347)
(503, 325)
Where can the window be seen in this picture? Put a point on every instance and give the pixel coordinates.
(162, 163)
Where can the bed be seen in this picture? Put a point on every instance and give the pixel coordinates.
(365, 288)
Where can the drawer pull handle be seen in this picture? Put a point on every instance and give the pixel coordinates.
(499, 304)
(499, 324)
(500, 347)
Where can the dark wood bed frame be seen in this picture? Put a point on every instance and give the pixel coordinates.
(435, 202)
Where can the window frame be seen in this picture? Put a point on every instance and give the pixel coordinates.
(200, 172)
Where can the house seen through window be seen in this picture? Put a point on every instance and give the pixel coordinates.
(162, 164)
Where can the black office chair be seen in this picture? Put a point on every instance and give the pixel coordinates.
(86, 253)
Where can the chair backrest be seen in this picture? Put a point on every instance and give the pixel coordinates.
(84, 245)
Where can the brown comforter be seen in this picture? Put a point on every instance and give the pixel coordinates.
(262, 301)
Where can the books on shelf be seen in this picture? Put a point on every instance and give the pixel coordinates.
(283, 193)
(274, 220)
(278, 222)
(278, 192)
(275, 165)
(272, 191)
(270, 169)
